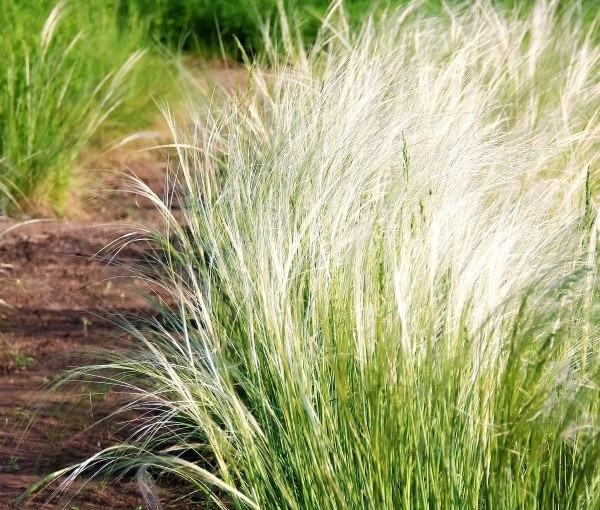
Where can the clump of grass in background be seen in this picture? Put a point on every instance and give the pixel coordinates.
(386, 276)
(67, 70)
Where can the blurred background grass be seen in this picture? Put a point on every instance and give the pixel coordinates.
(205, 24)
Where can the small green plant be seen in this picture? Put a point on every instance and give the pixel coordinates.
(13, 464)
(13, 358)
(20, 360)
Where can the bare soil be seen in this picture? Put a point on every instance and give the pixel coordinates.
(60, 293)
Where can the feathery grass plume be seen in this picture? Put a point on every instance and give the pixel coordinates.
(386, 276)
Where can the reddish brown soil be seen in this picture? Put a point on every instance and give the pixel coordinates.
(59, 295)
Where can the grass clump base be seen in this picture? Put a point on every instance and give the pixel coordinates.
(386, 276)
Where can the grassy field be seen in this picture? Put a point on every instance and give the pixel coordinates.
(385, 274)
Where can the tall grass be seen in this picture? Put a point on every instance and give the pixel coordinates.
(386, 276)
(67, 69)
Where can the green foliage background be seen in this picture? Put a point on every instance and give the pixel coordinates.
(201, 23)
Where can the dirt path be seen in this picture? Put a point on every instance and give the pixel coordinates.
(58, 299)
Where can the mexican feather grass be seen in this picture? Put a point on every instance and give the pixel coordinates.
(386, 275)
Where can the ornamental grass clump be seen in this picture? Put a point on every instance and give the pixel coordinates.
(385, 275)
